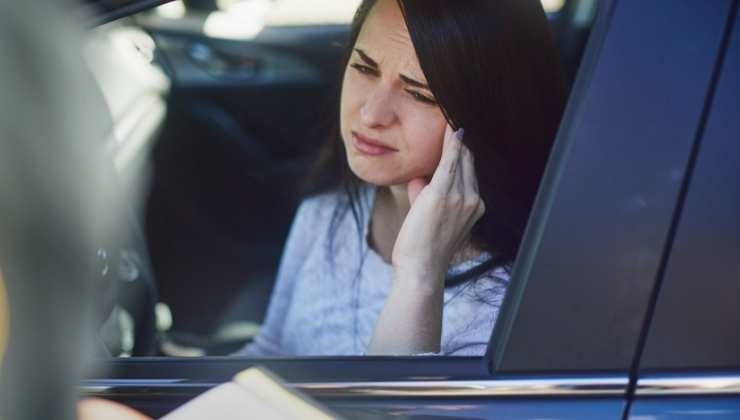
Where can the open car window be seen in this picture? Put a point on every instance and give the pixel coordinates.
(206, 252)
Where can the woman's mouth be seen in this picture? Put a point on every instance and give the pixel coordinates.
(369, 146)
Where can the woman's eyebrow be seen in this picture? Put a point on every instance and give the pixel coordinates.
(414, 83)
(370, 62)
(409, 81)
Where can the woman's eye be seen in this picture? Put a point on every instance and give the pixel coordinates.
(421, 98)
(364, 69)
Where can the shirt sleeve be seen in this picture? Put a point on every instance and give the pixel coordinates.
(268, 340)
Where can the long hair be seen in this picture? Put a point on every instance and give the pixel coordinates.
(494, 70)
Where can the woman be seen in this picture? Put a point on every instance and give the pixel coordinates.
(408, 251)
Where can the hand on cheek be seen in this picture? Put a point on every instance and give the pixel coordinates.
(442, 214)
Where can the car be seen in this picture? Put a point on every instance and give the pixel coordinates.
(622, 303)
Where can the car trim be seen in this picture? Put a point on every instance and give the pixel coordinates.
(478, 388)
(596, 386)
(688, 385)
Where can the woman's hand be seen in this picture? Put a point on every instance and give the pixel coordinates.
(439, 221)
(442, 214)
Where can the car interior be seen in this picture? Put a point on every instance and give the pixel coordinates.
(217, 107)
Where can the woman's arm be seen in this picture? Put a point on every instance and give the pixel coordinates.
(411, 319)
(439, 221)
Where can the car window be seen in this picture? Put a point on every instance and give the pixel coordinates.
(248, 87)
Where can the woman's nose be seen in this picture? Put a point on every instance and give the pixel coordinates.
(378, 109)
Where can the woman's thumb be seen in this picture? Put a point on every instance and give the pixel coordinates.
(414, 188)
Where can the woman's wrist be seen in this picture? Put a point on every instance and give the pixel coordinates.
(425, 280)
(411, 320)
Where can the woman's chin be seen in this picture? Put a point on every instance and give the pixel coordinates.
(379, 179)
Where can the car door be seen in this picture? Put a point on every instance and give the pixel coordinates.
(582, 289)
(690, 360)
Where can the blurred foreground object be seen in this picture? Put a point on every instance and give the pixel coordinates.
(253, 393)
(99, 409)
(3, 318)
(51, 123)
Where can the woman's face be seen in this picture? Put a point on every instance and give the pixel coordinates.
(391, 125)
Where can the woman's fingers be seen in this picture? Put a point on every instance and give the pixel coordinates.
(468, 173)
(447, 170)
(455, 175)
(443, 212)
(468, 185)
(455, 142)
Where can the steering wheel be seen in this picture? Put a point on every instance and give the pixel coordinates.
(125, 282)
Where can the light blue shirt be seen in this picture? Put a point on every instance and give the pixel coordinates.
(328, 305)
